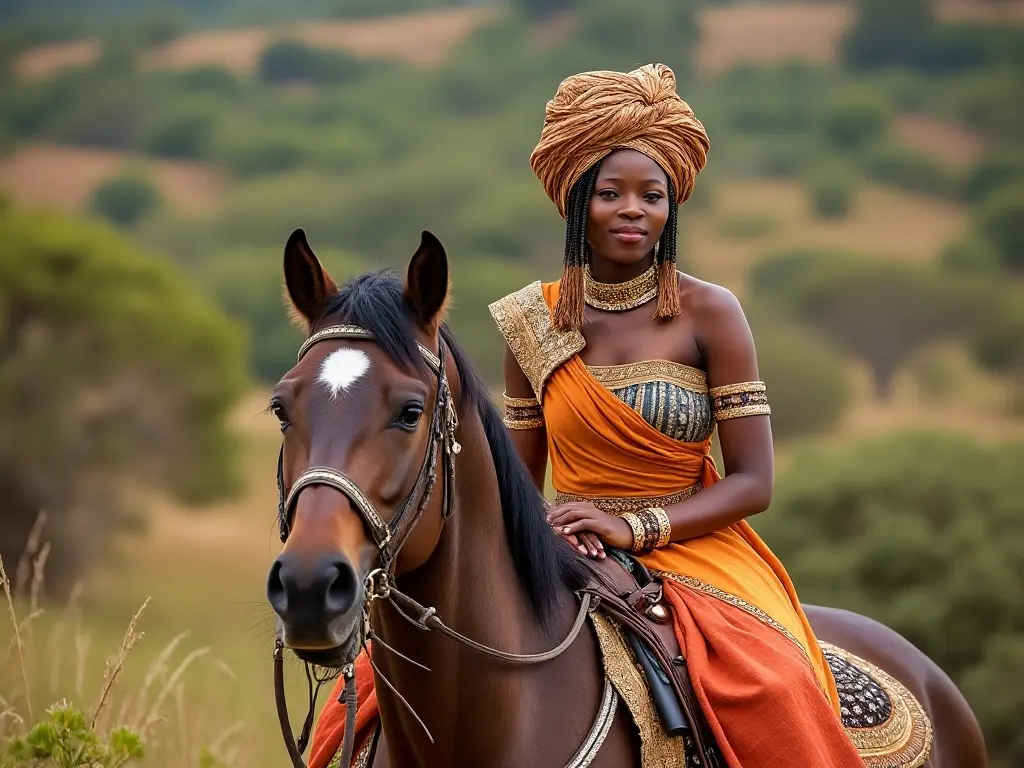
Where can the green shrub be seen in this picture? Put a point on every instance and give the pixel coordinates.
(1000, 219)
(887, 33)
(909, 169)
(808, 383)
(291, 61)
(832, 189)
(182, 130)
(998, 168)
(971, 254)
(125, 199)
(856, 117)
(923, 532)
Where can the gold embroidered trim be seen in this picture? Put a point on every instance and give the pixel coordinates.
(902, 741)
(657, 748)
(520, 402)
(524, 320)
(361, 759)
(511, 423)
(738, 388)
(621, 297)
(732, 401)
(618, 505)
(664, 527)
(522, 413)
(647, 371)
(739, 602)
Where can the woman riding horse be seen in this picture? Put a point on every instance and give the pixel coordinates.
(618, 374)
(622, 389)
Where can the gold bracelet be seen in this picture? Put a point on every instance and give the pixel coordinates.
(639, 533)
(664, 526)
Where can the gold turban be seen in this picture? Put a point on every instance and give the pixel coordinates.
(593, 113)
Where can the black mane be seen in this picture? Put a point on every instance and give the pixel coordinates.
(543, 562)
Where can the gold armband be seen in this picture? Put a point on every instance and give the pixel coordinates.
(522, 413)
(651, 528)
(747, 398)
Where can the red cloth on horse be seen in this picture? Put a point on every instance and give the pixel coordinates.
(330, 728)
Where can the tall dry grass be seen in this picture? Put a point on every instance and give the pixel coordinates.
(91, 722)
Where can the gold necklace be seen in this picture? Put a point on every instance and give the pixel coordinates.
(620, 297)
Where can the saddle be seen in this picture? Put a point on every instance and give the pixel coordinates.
(626, 592)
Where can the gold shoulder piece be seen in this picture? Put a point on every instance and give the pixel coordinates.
(524, 320)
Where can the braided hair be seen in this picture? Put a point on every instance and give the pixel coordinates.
(568, 314)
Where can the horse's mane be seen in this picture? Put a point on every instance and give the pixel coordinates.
(544, 563)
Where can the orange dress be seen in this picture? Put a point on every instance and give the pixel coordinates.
(631, 437)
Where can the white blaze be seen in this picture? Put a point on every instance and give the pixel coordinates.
(342, 368)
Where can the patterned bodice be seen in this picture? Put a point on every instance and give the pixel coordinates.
(671, 397)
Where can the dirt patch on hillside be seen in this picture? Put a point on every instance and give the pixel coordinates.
(884, 222)
(761, 34)
(65, 177)
(417, 38)
(949, 143)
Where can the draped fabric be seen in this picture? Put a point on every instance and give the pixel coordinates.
(756, 667)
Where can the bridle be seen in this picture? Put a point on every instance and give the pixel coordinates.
(390, 536)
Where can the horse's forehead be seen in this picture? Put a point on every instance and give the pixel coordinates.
(341, 368)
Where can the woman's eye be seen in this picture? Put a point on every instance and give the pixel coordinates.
(607, 193)
(410, 416)
(653, 197)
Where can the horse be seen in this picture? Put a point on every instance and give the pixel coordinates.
(398, 479)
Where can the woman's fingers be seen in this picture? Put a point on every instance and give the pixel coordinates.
(590, 544)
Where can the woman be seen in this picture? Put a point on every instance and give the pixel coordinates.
(618, 374)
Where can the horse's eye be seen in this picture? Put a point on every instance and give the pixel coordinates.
(282, 416)
(410, 416)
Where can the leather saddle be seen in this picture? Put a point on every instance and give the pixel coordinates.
(627, 593)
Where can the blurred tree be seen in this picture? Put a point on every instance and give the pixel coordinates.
(115, 375)
(832, 188)
(856, 116)
(542, 9)
(999, 167)
(997, 340)
(124, 199)
(925, 533)
(808, 386)
(289, 61)
(907, 168)
(880, 311)
(888, 33)
(1000, 219)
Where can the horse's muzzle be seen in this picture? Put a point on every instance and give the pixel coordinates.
(315, 599)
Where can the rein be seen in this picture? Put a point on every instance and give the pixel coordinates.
(389, 537)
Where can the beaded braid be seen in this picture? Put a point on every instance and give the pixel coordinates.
(665, 257)
(568, 313)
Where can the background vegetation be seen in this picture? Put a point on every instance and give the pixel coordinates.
(864, 197)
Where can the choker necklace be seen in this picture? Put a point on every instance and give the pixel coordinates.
(620, 297)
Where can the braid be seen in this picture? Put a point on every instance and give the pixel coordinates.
(665, 258)
(568, 313)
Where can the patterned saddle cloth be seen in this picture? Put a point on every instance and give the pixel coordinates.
(882, 718)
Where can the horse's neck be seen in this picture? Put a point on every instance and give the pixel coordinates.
(471, 580)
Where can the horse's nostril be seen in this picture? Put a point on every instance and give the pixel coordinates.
(276, 593)
(341, 593)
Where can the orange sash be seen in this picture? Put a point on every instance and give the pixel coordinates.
(758, 672)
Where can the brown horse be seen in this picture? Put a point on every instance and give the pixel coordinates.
(368, 415)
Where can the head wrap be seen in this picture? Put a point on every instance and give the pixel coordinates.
(593, 113)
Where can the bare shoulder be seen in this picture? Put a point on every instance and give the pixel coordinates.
(710, 304)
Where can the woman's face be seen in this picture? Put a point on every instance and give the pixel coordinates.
(629, 207)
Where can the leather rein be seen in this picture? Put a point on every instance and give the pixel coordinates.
(389, 537)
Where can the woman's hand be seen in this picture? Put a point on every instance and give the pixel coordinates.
(591, 527)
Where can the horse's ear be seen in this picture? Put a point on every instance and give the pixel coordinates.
(307, 284)
(426, 283)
